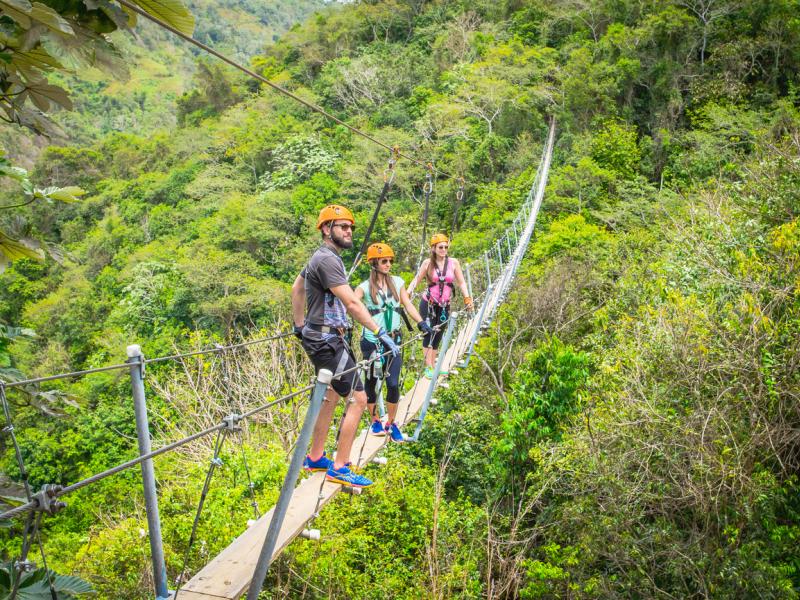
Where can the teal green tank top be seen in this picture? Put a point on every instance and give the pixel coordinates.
(390, 318)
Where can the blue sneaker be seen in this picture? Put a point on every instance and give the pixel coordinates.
(394, 431)
(377, 428)
(429, 372)
(323, 463)
(346, 477)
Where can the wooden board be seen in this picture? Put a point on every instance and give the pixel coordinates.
(228, 575)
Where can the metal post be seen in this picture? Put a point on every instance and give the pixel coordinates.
(477, 330)
(516, 235)
(469, 280)
(448, 334)
(136, 359)
(488, 270)
(265, 558)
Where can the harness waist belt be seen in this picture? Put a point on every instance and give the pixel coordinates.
(327, 328)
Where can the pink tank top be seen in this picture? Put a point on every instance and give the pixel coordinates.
(440, 288)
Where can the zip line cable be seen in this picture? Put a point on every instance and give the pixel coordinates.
(31, 531)
(266, 81)
(226, 382)
(427, 189)
(459, 200)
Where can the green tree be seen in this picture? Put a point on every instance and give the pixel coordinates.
(42, 38)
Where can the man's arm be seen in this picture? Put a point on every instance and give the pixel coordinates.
(354, 306)
(298, 301)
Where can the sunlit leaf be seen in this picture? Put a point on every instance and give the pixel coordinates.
(172, 12)
(70, 193)
(13, 249)
(50, 19)
(17, 10)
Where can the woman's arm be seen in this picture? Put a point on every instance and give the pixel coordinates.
(418, 277)
(405, 299)
(462, 284)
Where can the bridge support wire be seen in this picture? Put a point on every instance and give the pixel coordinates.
(388, 178)
(215, 462)
(31, 531)
(265, 557)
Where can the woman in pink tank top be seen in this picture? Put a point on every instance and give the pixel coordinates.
(442, 273)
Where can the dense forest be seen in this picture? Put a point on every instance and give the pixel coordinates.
(630, 424)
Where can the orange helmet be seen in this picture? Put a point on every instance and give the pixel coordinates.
(438, 238)
(379, 251)
(334, 212)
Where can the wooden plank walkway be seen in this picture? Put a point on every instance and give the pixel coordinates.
(228, 575)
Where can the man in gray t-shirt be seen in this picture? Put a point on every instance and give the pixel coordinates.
(325, 270)
(323, 286)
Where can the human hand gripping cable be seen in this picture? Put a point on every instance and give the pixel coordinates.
(388, 343)
(425, 327)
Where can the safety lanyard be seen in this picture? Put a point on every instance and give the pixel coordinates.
(387, 310)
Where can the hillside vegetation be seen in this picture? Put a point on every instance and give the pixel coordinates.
(160, 69)
(628, 428)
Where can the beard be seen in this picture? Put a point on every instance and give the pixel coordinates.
(341, 242)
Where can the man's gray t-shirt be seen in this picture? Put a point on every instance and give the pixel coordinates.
(324, 271)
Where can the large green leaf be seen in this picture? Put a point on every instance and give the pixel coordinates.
(50, 19)
(71, 193)
(11, 249)
(19, 10)
(42, 94)
(170, 11)
(35, 586)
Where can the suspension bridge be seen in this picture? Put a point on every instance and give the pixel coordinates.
(242, 566)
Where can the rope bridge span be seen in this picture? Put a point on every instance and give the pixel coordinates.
(242, 566)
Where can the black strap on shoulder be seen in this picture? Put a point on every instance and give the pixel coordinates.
(442, 275)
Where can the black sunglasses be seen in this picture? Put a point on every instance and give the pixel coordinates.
(386, 261)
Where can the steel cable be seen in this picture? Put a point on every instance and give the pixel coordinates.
(274, 86)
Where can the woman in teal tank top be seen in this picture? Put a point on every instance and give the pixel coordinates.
(385, 296)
